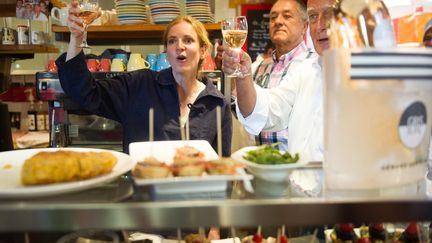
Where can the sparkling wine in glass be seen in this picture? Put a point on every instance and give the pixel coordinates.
(88, 13)
(234, 32)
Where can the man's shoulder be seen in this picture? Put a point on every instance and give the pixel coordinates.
(307, 59)
(307, 68)
(308, 55)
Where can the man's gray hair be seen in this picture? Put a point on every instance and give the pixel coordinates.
(302, 9)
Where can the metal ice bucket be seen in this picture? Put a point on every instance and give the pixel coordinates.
(377, 122)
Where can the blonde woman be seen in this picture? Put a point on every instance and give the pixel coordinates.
(175, 92)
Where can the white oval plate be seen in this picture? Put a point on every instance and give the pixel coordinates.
(10, 174)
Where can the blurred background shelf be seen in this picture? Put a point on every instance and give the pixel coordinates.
(127, 34)
(25, 51)
(7, 8)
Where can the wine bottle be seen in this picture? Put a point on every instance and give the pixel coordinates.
(361, 23)
(40, 117)
(31, 112)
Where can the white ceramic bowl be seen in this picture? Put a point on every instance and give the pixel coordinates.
(273, 173)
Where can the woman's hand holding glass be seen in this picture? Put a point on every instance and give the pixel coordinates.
(81, 14)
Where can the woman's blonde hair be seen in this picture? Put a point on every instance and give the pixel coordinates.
(199, 29)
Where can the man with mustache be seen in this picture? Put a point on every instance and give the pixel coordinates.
(294, 105)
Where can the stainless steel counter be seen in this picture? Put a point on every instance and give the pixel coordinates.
(115, 206)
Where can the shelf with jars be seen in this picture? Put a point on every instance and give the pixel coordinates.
(21, 51)
(127, 34)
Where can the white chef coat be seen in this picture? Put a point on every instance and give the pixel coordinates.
(296, 104)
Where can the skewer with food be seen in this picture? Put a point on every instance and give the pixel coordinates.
(188, 161)
(151, 168)
(196, 238)
(222, 166)
(256, 238)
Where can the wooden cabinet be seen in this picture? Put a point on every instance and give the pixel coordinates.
(140, 34)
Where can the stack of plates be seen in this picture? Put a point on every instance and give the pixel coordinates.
(131, 11)
(163, 11)
(200, 10)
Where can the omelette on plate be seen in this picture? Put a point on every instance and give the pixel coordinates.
(64, 166)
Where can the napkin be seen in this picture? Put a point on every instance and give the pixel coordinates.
(307, 182)
(33, 140)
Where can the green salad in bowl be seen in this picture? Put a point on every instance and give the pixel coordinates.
(268, 155)
(267, 162)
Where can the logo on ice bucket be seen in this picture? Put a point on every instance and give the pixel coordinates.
(412, 126)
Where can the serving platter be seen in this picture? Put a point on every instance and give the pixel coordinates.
(357, 231)
(10, 174)
(164, 151)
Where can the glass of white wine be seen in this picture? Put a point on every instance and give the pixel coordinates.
(88, 13)
(234, 32)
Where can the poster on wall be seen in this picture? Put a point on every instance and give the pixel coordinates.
(32, 9)
(258, 27)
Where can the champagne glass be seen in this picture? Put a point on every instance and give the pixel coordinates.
(88, 13)
(234, 32)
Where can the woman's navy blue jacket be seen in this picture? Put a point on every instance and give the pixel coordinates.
(127, 99)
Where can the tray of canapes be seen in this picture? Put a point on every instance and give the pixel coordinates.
(376, 232)
(191, 166)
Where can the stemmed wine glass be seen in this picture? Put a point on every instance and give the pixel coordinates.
(88, 13)
(234, 32)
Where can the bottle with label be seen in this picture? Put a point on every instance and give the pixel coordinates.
(17, 120)
(40, 117)
(345, 32)
(360, 24)
(47, 121)
(31, 113)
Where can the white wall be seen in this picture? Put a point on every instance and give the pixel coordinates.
(400, 8)
(222, 10)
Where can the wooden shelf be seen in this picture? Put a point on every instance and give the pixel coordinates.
(127, 34)
(7, 8)
(25, 51)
